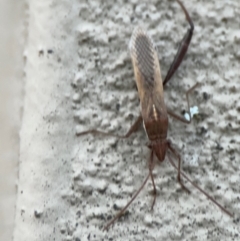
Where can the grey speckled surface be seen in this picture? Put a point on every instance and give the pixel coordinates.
(90, 40)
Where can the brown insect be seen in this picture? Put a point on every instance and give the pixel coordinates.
(154, 113)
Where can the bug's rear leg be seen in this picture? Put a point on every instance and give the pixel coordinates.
(174, 152)
(182, 48)
(180, 118)
(132, 129)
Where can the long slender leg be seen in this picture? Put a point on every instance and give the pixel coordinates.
(174, 152)
(201, 190)
(151, 167)
(182, 48)
(132, 129)
(172, 114)
(128, 204)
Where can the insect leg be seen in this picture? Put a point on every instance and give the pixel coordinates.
(182, 48)
(174, 152)
(180, 118)
(132, 129)
(151, 167)
(201, 190)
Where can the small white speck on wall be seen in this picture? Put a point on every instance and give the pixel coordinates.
(193, 111)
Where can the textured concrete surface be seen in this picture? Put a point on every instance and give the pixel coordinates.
(79, 76)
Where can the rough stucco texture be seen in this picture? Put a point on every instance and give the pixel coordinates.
(77, 183)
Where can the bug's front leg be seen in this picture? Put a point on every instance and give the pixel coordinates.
(151, 167)
(176, 154)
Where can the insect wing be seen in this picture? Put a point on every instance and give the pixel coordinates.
(147, 75)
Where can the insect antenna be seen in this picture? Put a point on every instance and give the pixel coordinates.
(199, 189)
(151, 166)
